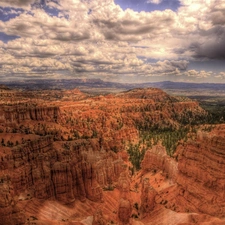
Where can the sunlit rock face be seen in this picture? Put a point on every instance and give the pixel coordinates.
(47, 173)
(201, 177)
(197, 171)
(125, 202)
(19, 114)
(156, 158)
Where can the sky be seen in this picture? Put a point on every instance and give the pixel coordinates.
(114, 40)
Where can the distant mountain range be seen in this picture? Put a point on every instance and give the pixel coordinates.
(86, 84)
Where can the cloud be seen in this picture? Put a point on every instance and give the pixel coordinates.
(154, 1)
(40, 24)
(211, 44)
(166, 66)
(198, 74)
(98, 38)
(18, 3)
(133, 26)
(221, 75)
(217, 12)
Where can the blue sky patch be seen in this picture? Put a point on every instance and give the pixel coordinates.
(5, 38)
(143, 5)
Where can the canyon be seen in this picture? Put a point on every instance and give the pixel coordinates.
(66, 159)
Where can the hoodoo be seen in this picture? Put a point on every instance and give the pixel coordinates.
(126, 158)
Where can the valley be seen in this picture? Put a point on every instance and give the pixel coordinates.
(140, 156)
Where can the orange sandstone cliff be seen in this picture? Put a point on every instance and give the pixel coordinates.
(64, 161)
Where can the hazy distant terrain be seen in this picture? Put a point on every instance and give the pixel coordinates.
(98, 84)
(211, 96)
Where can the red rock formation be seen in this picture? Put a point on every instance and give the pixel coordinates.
(19, 114)
(148, 194)
(201, 164)
(10, 214)
(62, 182)
(68, 175)
(125, 203)
(123, 183)
(199, 173)
(81, 155)
(154, 158)
(124, 211)
(98, 218)
(157, 158)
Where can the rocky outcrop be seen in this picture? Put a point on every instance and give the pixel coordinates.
(85, 152)
(154, 158)
(201, 178)
(63, 174)
(157, 158)
(125, 203)
(14, 114)
(148, 194)
(10, 214)
(159, 110)
(197, 169)
(98, 218)
(124, 211)
(124, 183)
(62, 182)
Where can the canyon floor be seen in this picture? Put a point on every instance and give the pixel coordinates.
(136, 157)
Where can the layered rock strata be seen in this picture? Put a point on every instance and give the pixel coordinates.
(201, 177)
(148, 194)
(18, 114)
(10, 214)
(98, 218)
(125, 203)
(157, 158)
(83, 154)
(37, 169)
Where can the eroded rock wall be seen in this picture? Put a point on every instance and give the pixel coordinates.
(39, 169)
(201, 177)
(16, 114)
(10, 214)
(156, 158)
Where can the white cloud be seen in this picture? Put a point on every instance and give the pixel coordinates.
(154, 1)
(198, 74)
(221, 75)
(26, 4)
(99, 38)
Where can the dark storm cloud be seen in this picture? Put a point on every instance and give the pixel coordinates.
(213, 46)
(218, 17)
